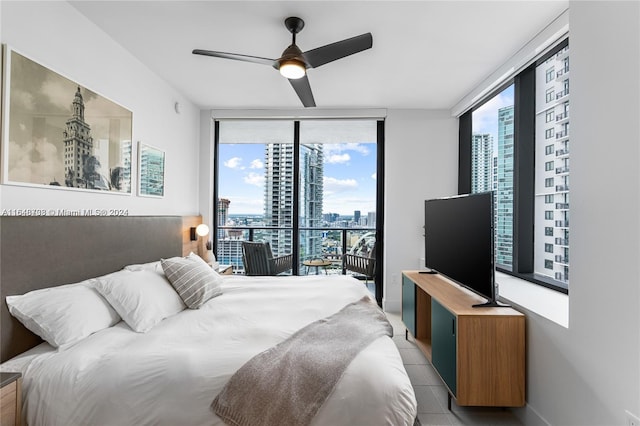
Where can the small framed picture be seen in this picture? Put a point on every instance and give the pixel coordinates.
(151, 163)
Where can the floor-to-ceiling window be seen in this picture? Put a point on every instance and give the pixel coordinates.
(515, 142)
(492, 165)
(254, 186)
(308, 187)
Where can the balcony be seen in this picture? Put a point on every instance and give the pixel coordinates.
(562, 223)
(333, 242)
(562, 170)
(562, 260)
(562, 94)
(562, 152)
(562, 188)
(562, 206)
(563, 74)
(562, 134)
(562, 117)
(562, 241)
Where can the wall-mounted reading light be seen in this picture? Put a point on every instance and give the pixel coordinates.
(197, 234)
(201, 230)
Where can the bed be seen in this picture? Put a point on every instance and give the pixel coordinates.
(169, 372)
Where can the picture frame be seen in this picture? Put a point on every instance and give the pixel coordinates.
(151, 170)
(58, 134)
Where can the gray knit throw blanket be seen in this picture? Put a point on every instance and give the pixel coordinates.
(287, 384)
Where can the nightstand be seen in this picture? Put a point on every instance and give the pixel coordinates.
(11, 399)
(225, 269)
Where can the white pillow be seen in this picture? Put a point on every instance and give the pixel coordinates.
(152, 266)
(143, 298)
(63, 315)
(194, 280)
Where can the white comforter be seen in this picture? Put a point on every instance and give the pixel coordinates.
(170, 375)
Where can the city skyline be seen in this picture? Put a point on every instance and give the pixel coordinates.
(349, 177)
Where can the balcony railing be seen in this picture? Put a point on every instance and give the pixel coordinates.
(336, 241)
(561, 170)
(562, 241)
(562, 259)
(562, 223)
(562, 188)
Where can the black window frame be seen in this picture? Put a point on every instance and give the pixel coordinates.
(380, 218)
(524, 168)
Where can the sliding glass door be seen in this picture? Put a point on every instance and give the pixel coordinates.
(309, 187)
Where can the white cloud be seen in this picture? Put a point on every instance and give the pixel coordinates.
(256, 164)
(333, 185)
(234, 163)
(254, 179)
(338, 148)
(338, 158)
(374, 176)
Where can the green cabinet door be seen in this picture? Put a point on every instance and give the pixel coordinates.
(409, 304)
(443, 343)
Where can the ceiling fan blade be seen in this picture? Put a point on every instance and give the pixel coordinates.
(303, 89)
(340, 49)
(237, 57)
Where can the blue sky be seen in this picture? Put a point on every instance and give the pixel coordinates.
(485, 118)
(349, 177)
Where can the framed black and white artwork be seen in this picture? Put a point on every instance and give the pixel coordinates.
(59, 134)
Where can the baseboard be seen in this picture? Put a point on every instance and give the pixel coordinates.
(529, 416)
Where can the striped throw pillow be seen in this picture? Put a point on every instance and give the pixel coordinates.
(193, 279)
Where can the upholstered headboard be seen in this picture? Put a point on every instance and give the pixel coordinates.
(40, 252)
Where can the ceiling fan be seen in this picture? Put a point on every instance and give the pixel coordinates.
(293, 63)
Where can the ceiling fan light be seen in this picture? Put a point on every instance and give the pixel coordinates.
(292, 69)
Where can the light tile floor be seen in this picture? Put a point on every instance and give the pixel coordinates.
(431, 393)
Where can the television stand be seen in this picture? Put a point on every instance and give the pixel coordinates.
(478, 353)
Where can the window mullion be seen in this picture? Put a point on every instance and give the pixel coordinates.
(296, 197)
(523, 170)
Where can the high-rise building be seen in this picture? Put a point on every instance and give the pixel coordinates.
(229, 252)
(481, 163)
(278, 196)
(223, 214)
(371, 219)
(504, 188)
(279, 174)
(551, 223)
(312, 171)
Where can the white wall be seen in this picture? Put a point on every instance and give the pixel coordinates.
(589, 374)
(57, 36)
(421, 161)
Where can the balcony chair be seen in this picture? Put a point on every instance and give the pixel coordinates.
(365, 265)
(258, 259)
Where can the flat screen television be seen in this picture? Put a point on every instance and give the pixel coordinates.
(459, 242)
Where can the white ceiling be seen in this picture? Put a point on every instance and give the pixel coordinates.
(426, 54)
